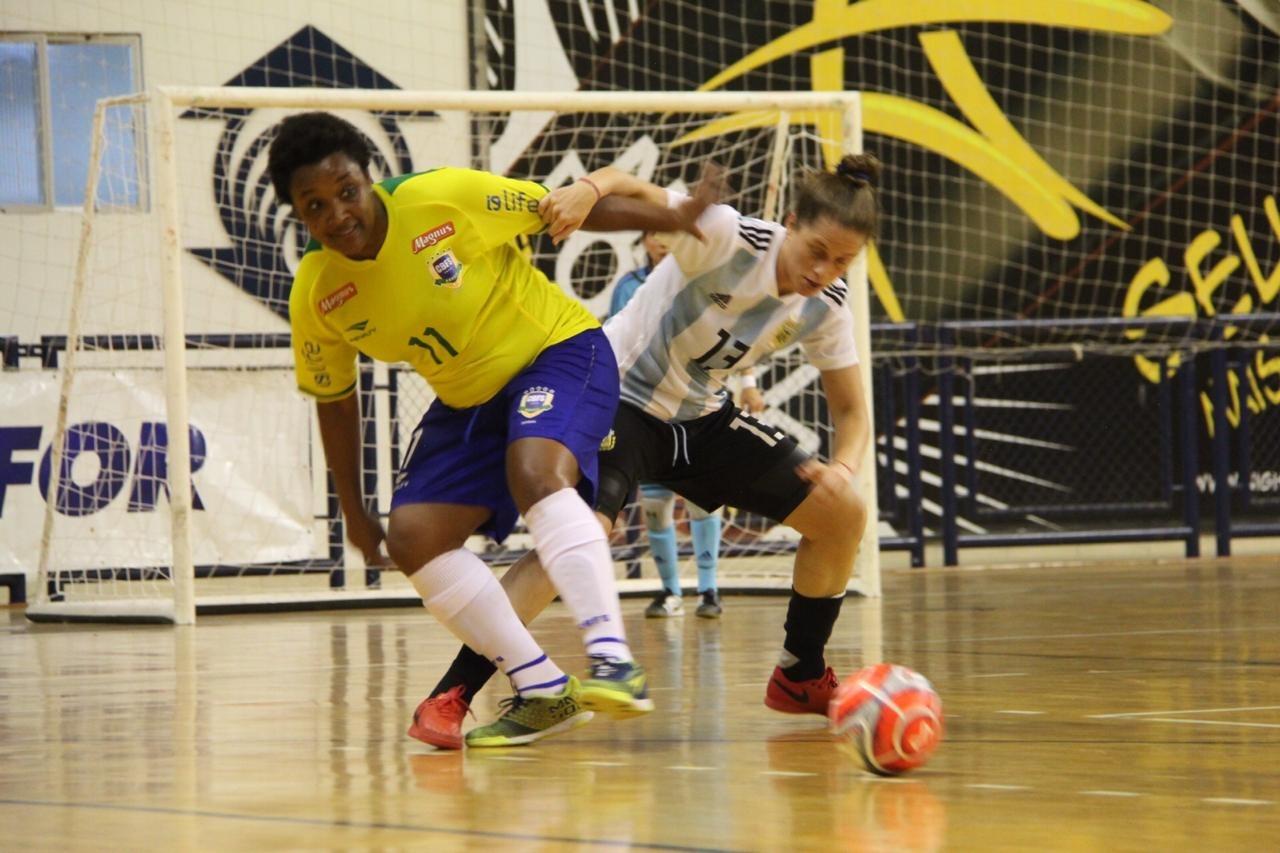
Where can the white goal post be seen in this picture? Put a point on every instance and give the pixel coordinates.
(185, 355)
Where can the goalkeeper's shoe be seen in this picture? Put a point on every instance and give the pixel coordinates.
(617, 688)
(525, 719)
(438, 720)
(665, 605)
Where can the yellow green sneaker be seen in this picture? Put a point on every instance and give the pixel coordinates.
(525, 719)
(617, 688)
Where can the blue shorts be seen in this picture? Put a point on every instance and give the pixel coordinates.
(457, 456)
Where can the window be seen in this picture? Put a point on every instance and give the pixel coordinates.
(48, 87)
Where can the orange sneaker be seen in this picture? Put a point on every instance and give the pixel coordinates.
(800, 697)
(438, 720)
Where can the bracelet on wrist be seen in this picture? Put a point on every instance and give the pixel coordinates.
(592, 184)
(749, 381)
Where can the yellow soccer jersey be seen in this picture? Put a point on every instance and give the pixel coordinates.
(449, 292)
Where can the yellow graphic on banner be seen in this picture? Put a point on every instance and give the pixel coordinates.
(1204, 279)
(992, 148)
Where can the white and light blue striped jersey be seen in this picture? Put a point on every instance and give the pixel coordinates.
(711, 309)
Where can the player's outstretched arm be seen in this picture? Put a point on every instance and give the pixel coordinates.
(612, 200)
(340, 435)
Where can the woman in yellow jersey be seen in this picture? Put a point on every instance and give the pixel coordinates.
(423, 269)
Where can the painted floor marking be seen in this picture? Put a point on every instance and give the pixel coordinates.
(993, 787)
(1235, 801)
(1214, 723)
(1087, 636)
(1191, 711)
(1110, 794)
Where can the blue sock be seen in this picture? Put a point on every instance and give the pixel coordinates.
(706, 545)
(662, 544)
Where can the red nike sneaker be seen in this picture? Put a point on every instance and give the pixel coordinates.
(438, 720)
(800, 697)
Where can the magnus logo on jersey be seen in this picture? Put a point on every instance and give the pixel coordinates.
(447, 268)
(337, 298)
(427, 239)
(536, 400)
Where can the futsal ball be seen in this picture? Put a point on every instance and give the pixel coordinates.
(889, 716)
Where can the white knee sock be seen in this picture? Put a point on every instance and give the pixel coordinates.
(460, 591)
(573, 550)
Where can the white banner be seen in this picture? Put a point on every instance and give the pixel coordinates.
(251, 460)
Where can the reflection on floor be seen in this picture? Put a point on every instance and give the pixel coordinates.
(1114, 707)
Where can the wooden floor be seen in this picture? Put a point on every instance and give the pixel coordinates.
(1104, 708)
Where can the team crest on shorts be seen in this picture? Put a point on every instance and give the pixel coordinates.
(536, 400)
(447, 268)
(609, 442)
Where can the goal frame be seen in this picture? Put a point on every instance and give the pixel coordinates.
(163, 101)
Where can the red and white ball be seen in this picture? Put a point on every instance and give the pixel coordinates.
(889, 716)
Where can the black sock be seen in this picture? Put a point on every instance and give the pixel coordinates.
(809, 624)
(470, 669)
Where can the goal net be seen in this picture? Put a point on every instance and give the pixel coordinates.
(185, 472)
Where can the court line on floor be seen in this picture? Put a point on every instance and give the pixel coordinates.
(1153, 632)
(1237, 801)
(1110, 794)
(1186, 721)
(998, 675)
(355, 824)
(1187, 711)
(991, 786)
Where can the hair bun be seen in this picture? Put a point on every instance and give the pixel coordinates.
(859, 169)
(845, 170)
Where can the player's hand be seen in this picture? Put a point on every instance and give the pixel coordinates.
(565, 208)
(826, 482)
(709, 191)
(366, 534)
(752, 400)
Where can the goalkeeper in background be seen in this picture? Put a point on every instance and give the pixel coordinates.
(425, 269)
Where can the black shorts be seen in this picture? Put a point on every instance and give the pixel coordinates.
(727, 457)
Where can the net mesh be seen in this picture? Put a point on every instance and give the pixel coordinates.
(264, 520)
(1077, 184)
